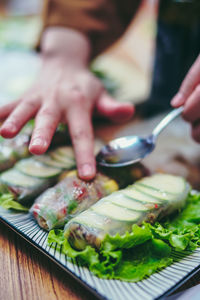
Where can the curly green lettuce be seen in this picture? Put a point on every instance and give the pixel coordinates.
(144, 250)
(7, 201)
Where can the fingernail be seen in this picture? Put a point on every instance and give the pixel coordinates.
(8, 130)
(10, 127)
(39, 142)
(86, 170)
(177, 100)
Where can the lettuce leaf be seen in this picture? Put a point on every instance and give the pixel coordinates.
(130, 257)
(7, 202)
(144, 250)
(181, 231)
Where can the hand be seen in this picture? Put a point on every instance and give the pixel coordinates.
(189, 96)
(65, 91)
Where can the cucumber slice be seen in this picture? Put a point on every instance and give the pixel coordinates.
(15, 178)
(138, 195)
(34, 168)
(47, 160)
(164, 183)
(115, 212)
(66, 152)
(159, 196)
(89, 218)
(62, 159)
(164, 187)
(128, 203)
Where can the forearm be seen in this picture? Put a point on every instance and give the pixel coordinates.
(65, 44)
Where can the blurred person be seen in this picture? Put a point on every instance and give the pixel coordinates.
(66, 91)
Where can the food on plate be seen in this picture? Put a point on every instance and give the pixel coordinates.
(32, 167)
(148, 199)
(11, 150)
(30, 177)
(122, 241)
(69, 197)
(62, 157)
(72, 196)
(22, 187)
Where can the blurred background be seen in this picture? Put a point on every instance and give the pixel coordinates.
(128, 63)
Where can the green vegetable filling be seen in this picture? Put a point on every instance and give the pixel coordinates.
(72, 206)
(144, 250)
(7, 201)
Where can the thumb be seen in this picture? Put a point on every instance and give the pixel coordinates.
(108, 107)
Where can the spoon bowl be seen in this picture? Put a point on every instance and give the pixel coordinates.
(125, 151)
(128, 150)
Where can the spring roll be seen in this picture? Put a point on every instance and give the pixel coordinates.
(147, 200)
(68, 198)
(22, 187)
(30, 177)
(11, 150)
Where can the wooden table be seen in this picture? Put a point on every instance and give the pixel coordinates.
(29, 275)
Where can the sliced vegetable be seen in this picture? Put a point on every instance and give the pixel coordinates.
(47, 160)
(62, 159)
(66, 151)
(16, 178)
(11, 150)
(120, 213)
(34, 168)
(70, 197)
(135, 194)
(23, 188)
(140, 252)
(106, 207)
(156, 194)
(165, 183)
(124, 201)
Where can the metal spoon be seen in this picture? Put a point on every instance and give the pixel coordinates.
(128, 150)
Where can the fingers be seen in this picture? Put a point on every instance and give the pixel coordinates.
(189, 83)
(45, 125)
(80, 127)
(18, 118)
(196, 131)
(191, 111)
(5, 110)
(113, 110)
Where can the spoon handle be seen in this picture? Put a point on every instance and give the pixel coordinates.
(170, 117)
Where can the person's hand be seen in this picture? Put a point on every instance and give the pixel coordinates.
(65, 91)
(189, 96)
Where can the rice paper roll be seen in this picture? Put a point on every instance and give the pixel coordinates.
(11, 150)
(70, 197)
(28, 178)
(147, 200)
(22, 187)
